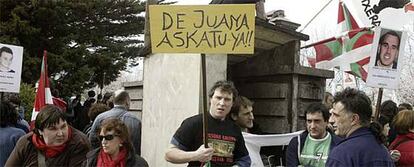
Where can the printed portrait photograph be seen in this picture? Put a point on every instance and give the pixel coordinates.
(388, 49)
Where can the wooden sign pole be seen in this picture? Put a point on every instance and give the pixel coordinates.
(204, 95)
(378, 106)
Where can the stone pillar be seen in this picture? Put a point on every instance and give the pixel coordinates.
(172, 93)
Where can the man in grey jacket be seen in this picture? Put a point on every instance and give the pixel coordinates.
(121, 105)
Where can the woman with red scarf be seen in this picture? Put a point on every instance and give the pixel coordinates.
(116, 147)
(51, 143)
(404, 143)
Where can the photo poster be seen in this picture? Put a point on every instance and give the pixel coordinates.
(10, 67)
(225, 29)
(386, 58)
(348, 80)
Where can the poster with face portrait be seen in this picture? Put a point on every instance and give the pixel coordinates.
(386, 58)
(11, 58)
(348, 80)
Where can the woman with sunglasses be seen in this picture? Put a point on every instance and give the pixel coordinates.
(116, 147)
(51, 143)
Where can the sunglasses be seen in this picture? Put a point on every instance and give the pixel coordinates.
(107, 137)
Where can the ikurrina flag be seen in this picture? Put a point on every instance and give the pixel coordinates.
(346, 21)
(349, 51)
(43, 93)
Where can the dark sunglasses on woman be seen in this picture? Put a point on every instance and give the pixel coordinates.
(107, 137)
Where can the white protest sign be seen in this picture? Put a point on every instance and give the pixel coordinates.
(11, 58)
(386, 58)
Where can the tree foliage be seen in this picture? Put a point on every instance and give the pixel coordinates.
(27, 96)
(88, 42)
(405, 92)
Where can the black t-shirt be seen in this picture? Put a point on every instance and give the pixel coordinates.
(224, 136)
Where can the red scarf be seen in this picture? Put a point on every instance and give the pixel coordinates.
(105, 160)
(51, 151)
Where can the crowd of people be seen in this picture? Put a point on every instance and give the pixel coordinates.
(108, 137)
(339, 131)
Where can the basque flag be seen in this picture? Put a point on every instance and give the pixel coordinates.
(43, 93)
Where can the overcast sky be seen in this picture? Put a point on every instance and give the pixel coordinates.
(298, 11)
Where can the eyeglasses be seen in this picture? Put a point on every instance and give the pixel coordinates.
(107, 137)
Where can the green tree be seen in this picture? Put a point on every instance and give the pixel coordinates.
(88, 42)
(27, 96)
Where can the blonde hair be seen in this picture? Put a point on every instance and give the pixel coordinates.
(404, 121)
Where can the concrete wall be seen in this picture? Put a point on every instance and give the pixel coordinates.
(172, 93)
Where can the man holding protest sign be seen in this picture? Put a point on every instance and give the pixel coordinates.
(226, 143)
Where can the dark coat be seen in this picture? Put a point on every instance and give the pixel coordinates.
(360, 148)
(133, 160)
(25, 153)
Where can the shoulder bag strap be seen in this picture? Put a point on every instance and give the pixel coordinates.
(41, 161)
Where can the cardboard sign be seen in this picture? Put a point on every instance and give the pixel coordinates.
(11, 58)
(202, 28)
(386, 58)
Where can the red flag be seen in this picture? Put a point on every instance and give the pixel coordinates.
(345, 51)
(43, 94)
(346, 21)
(350, 51)
(357, 69)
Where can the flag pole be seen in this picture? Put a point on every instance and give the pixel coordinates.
(315, 16)
(356, 82)
(319, 42)
(334, 38)
(204, 95)
(1, 99)
(377, 108)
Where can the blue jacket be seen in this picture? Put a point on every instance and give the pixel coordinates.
(292, 158)
(360, 149)
(8, 139)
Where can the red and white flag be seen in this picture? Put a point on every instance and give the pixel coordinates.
(348, 51)
(43, 93)
(346, 21)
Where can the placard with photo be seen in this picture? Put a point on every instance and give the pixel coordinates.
(386, 58)
(11, 58)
